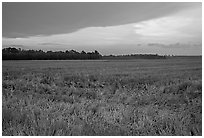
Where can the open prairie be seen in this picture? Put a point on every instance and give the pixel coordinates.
(102, 97)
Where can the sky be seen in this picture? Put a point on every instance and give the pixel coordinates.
(111, 28)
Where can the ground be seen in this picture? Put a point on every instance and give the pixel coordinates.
(102, 97)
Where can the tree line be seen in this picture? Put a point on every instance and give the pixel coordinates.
(20, 54)
(11, 53)
(135, 56)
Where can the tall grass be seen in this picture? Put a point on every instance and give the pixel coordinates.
(91, 101)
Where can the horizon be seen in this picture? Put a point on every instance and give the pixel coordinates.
(164, 28)
(100, 53)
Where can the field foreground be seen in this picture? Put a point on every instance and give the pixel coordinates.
(104, 97)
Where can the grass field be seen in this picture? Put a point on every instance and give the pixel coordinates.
(102, 97)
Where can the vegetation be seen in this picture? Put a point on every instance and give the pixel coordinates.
(19, 54)
(135, 56)
(106, 97)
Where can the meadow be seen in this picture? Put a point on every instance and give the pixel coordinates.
(158, 97)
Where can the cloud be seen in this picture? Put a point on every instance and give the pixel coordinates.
(183, 27)
(91, 36)
(52, 44)
(23, 20)
(176, 45)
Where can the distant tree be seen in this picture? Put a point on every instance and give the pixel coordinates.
(18, 54)
(83, 52)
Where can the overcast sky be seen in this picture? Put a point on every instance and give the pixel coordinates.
(110, 28)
